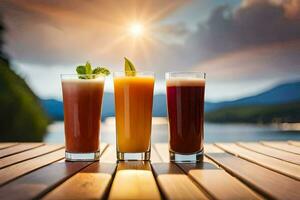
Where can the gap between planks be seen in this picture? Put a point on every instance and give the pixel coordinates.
(26, 155)
(283, 146)
(14, 171)
(286, 168)
(267, 182)
(11, 172)
(272, 152)
(175, 184)
(92, 182)
(43, 179)
(294, 142)
(8, 144)
(18, 148)
(208, 175)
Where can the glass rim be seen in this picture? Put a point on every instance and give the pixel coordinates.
(70, 75)
(87, 77)
(185, 74)
(122, 73)
(81, 74)
(135, 71)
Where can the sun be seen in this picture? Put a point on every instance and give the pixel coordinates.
(136, 29)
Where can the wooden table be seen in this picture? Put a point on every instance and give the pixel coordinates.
(264, 170)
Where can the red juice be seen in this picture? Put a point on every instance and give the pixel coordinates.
(185, 98)
(82, 110)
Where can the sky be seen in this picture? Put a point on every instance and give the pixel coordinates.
(244, 46)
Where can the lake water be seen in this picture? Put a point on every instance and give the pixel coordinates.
(213, 132)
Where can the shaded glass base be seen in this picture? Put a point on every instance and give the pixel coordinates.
(94, 156)
(133, 156)
(195, 157)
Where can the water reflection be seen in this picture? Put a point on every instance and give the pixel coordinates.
(213, 132)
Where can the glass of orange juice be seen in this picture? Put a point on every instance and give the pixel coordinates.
(133, 104)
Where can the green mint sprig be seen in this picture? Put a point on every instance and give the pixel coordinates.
(129, 68)
(87, 72)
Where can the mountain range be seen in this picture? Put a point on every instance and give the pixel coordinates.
(281, 94)
(284, 93)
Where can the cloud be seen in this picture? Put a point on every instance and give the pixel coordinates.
(67, 32)
(260, 36)
(291, 7)
(273, 62)
(177, 29)
(61, 33)
(255, 23)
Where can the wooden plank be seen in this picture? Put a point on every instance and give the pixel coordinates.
(283, 146)
(91, 183)
(174, 183)
(35, 184)
(294, 142)
(275, 153)
(18, 148)
(9, 160)
(218, 183)
(43, 179)
(208, 174)
(14, 171)
(210, 148)
(269, 183)
(274, 164)
(134, 180)
(5, 145)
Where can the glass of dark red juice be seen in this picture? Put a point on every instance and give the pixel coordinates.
(82, 97)
(185, 101)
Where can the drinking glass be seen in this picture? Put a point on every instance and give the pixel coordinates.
(185, 102)
(82, 97)
(133, 104)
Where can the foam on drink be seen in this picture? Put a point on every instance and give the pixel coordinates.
(185, 82)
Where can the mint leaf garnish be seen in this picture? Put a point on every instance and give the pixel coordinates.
(101, 70)
(87, 72)
(129, 68)
(88, 68)
(80, 69)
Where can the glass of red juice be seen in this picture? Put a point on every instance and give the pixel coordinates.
(82, 97)
(185, 102)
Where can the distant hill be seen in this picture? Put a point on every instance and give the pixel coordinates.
(21, 115)
(54, 107)
(279, 104)
(272, 113)
(281, 94)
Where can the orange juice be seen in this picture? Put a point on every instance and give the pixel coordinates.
(133, 103)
